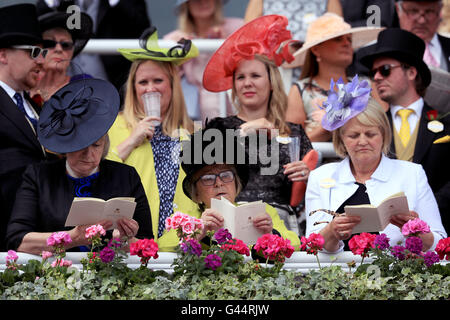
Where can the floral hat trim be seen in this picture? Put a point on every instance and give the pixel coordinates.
(148, 41)
(345, 103)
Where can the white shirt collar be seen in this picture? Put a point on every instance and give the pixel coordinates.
(74, 175)
(10, 91)
(417, 106)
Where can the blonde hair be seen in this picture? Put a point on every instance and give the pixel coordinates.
(176, 116)
(278, 99)
(374, 115)
(186, 21)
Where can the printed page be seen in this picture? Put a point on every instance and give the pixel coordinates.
(370, 221)
(116, 209)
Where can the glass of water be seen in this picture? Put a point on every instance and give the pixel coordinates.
(294, 148)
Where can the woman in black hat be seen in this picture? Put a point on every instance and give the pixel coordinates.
(222, 176)
(75, 122)
(63, 44)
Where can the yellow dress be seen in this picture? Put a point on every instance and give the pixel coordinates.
(141, 159)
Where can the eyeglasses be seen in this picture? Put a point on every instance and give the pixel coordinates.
(415, 13)
(34, 50)
(384, 70)
(65, 45)
(210, 179)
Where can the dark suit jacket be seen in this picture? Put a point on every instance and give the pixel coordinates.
(355, 12)
(445, 44)
(44, 198)
(434, 159)
(19, 147)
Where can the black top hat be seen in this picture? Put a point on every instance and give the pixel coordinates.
(77, 115)
(204, 143)
(401, 45)
(19, 24)
(80, 34)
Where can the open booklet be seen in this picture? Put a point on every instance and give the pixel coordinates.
(375, 219)
(239, 219)
(92, 210)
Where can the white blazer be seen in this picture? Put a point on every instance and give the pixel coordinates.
(332, 184)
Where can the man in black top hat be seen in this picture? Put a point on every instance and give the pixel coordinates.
(420, 134)
(21, 60)
(423, 18)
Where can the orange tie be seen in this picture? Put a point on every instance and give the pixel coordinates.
(405, 130)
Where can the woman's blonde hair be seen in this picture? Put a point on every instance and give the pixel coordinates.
(186, 21)
(374, 115)
(277, 99)
(176, 116)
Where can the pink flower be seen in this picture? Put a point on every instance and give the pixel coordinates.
(46, 254)
(61, 263)
(94, 230)
(145, 249)
(237, 245)
(443, 249)
(59, 238)
(274, 247)
(313, 244)
(11, 257)
(415, 227)
(360, 244)
(188, 227)
(185, 224)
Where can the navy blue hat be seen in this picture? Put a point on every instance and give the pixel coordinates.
(78, 115)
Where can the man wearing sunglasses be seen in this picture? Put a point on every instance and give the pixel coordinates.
(423, 18)
(21, 60)
(401, 78)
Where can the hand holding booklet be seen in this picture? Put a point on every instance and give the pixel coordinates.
(375, 219)
(239, 219)
(92, 210)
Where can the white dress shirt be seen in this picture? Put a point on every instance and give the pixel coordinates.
(413, 118)
(332, 184)
(11, 92)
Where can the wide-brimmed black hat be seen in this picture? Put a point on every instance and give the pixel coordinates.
(77, 115)
(19, 23)
(401, 45)
(80, 33)
(213, 145)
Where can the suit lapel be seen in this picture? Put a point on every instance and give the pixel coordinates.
(392, 152)
(445, 45)
(9, 110)
(425, 137)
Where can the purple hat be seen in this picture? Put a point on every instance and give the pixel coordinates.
(345, 103)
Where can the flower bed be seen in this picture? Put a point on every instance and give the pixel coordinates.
(225, 270)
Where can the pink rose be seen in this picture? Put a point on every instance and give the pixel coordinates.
(178, 219)
(188, 227)
(415, 227)
(94, 230)
(360, 244)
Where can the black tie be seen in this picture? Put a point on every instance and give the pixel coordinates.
(19, 100)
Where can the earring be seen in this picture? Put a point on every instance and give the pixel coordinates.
(318, 59)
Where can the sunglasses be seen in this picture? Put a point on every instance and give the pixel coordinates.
(384, 70)
(65, 45)
(210, 179)
(34, 51)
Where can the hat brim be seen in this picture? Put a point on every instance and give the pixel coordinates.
(401, 56)
(80, 36)
(360, 37)
(78, 115)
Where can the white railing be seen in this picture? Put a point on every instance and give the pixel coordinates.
(299, 261)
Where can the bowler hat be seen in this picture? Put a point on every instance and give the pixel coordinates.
(80, 34)
(77, 115)
(401, 45)
(18, 24)
(221, 145)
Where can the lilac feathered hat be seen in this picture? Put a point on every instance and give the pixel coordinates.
(345, 103)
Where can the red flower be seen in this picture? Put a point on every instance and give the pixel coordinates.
(360, 244)
(432, 114)
(237, 245)
(37, 98)
(145, 249)
(313, 244)
(274, 247)
(443, 249)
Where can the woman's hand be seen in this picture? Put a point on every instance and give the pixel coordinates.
(296, 171)
(212, 220)
(78, 234)
(126, 228)
(254, 126)
(342, 227)
(263, 223)
(144, 130)
(400, 219)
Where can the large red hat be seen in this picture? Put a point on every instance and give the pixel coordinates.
(266, 35)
